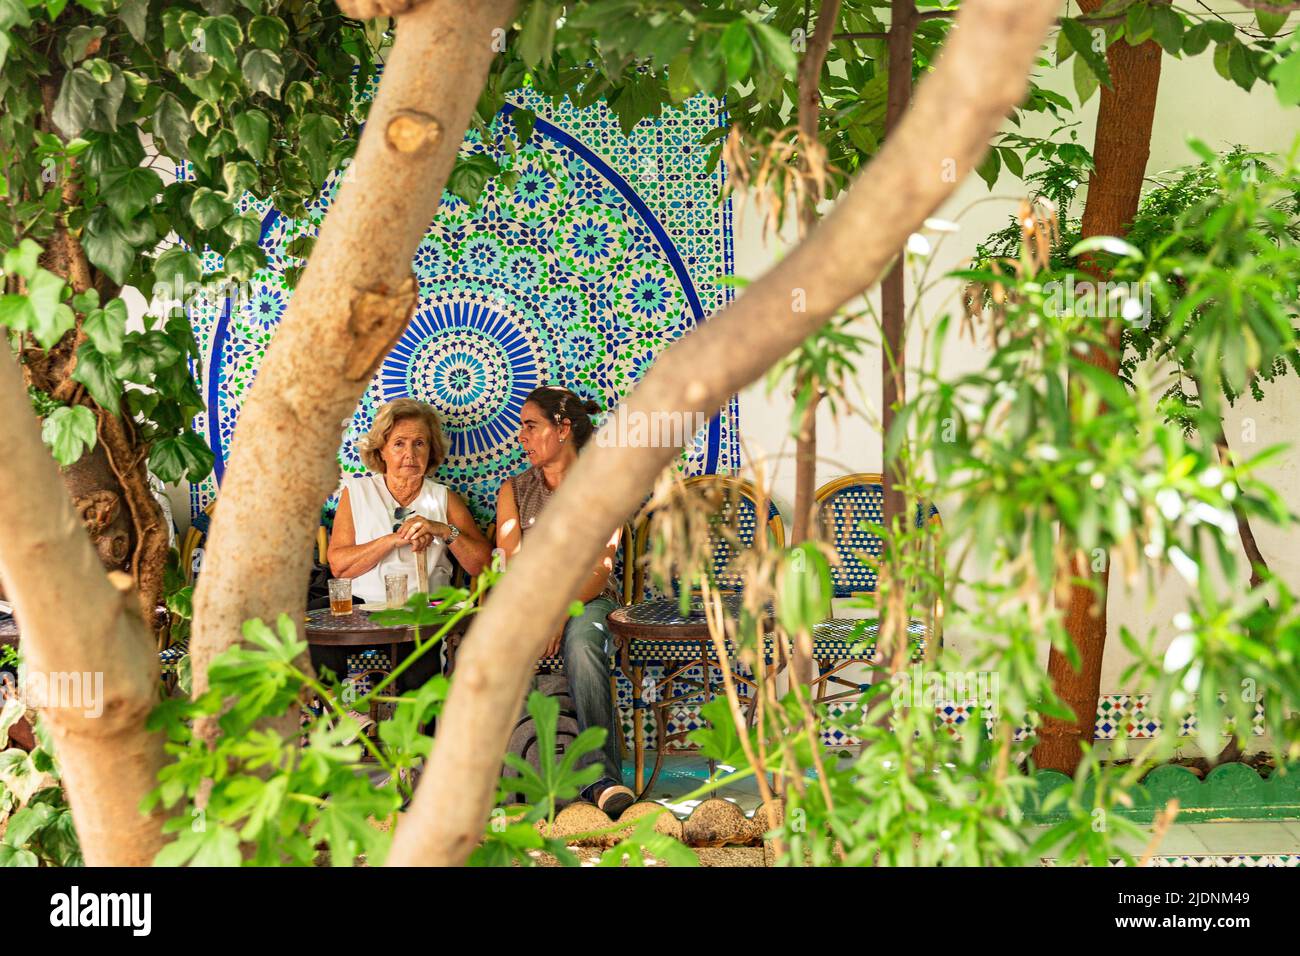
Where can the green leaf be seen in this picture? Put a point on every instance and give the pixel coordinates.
(239, 176)
(1270, 22)
(1109, 244)
(106, 246)
(1285, 77)
(253, 130)
(208, 209)
(78, 42)
(172, 126)
(183, 456)
(470, 175)
(989, 168)
(242, 261)
(128, 192)
(76, 102)
(69, 432)
(1167, 28)
(297, 95)
(134, 13)
(106, 327)
(263, 72)
(1085, 42)
(23, 259)
(318, 134)
(523, 121)
(243, 229)
(94, 370)
(221, 37)
(537, 36)
(1241, 66)
(40, 311)
(776, 45)
(737, 49)
(1085, 80)
(269, 33)
(1196, 39)
(178, 262)
(1138, 24)
(205, 115)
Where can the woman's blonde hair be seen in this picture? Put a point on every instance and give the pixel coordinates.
(390, 414)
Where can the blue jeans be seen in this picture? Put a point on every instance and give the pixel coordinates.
(586, 650)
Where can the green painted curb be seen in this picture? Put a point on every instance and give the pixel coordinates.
(1232, 791)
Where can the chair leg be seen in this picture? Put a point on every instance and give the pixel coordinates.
(638, 733)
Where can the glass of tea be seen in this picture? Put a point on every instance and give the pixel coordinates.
(340, 596)
(395, 590)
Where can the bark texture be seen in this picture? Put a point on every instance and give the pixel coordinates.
(1125, 116)
(805, 456)
(77, 625)
(980, 77)
(354, 300)
(893, 335)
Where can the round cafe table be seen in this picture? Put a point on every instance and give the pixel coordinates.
(656, 632)
(359, 629)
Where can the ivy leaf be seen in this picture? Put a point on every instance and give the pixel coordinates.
(106, 247)
(243, 229)
(133, 13)
(242, 261)
(253, 130)
(263, 72)
(221, 38)
(239, 176)
(129, 191)
(470, 175)
(40, 311)
(269, 33)
(180, 456)
(22, 260)
(94, 370)
(69, 431)
(76, 102)
(77, 46)
(317, 136)
(208, 209)
(106, 327)
(175, 263)
(173, 126)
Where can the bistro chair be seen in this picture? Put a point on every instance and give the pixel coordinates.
(844, 508)
(687, 664)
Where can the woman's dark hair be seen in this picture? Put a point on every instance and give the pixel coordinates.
(559, 403)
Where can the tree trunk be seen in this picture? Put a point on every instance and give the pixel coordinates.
(893, 338)
(1123, 142)
(805, 472)
(109, 485)
(350, 307)
(78, 627)
(980, 77)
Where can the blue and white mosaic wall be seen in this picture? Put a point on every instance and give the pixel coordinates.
(606, 250)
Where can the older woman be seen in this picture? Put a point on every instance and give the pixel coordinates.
(554, 424)
(389, 520)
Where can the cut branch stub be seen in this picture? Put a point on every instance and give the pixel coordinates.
(409, 130)
(377, 320)
(371, 9)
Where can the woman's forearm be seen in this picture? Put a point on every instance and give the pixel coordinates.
(472, 554)
(356, 560)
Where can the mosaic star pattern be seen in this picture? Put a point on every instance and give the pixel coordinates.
(602, 252)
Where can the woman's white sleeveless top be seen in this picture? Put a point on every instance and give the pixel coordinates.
(373, 508)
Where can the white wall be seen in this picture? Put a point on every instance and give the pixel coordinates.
(1193, 100)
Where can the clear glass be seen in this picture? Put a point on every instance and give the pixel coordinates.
(395, 586)
(340, 596)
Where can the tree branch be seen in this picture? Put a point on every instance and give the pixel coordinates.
(979, 78)
(353, 300)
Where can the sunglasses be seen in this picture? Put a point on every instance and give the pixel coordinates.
(400, 516)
